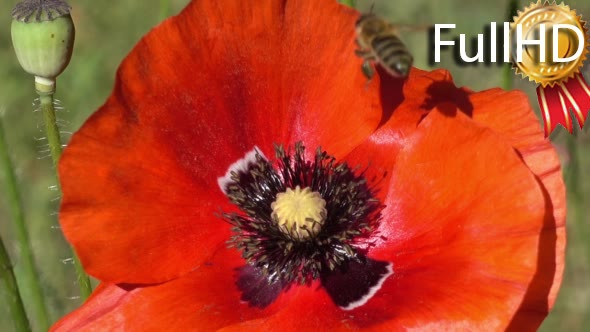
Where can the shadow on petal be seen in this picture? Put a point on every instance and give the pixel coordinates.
(535, 305)
(440, 92)
(391, 94)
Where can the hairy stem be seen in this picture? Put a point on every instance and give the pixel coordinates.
(11, 293)
(54, 140)
(51, 128)
(30, 279)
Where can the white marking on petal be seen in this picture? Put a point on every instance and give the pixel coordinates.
(372, 291)
(241, 165)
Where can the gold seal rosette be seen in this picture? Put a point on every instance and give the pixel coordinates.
(553, 44)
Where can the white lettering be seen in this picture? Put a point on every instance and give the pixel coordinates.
(493, 42)
(506, 42)
(520, 42)
(437, 42)
(581, 43)
(478, 56)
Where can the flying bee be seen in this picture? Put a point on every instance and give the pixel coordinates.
(378, 42)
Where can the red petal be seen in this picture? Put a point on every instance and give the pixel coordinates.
(140, 178)
(510, 114)
(463, 223)
(419, 94)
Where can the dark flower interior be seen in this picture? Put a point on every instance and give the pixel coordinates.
(280, 258)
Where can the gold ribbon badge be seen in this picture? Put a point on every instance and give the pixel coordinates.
(553, 47)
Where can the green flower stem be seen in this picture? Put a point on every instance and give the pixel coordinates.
(507, 73)
(13, 299)
(30, 276)
(45, 90)
(349, 3)
(51, 128)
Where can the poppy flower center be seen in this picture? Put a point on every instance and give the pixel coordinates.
(300, 218)
(299, 213)
(303, 220)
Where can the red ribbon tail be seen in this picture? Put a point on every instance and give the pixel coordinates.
(557, 101)
(553, 109)
(577, 93)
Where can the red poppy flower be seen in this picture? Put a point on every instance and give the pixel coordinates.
(455, 220)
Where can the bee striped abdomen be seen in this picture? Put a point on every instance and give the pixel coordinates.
(392, 54)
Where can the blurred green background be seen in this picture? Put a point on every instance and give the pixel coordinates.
(106, 31)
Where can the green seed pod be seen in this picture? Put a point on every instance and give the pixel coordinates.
(43, 36)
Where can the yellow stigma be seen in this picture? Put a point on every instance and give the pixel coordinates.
(299, 213)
